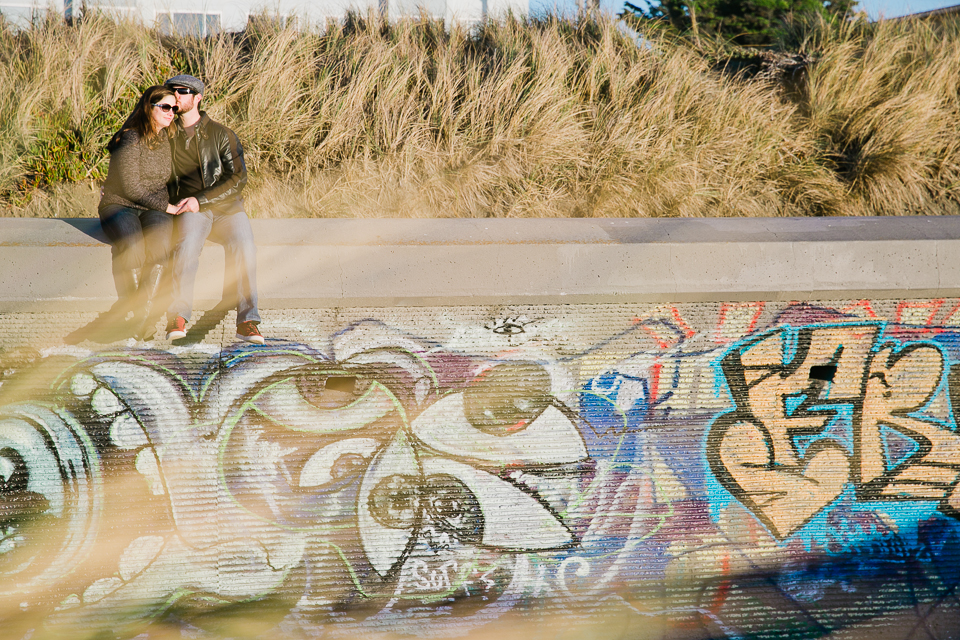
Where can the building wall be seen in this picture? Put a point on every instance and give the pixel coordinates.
(209, 16)
(721, 468)
(22, 12)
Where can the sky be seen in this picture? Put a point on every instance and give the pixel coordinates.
(874, 8)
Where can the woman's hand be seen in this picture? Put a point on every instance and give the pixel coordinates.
(187, 204)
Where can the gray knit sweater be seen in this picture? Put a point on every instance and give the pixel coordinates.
(138, 175)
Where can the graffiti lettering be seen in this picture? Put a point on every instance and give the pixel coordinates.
(434, 580)
(900, 382)
(781, 451)
(700, 470)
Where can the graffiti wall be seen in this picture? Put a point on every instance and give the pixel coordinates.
(738, 470)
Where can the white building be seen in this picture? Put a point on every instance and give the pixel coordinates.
(202, 17)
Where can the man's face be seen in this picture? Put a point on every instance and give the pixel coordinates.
(187, 100)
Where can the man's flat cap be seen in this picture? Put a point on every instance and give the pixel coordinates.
(185, 81)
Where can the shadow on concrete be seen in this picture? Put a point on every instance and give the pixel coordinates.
(106, 328)
(88, 226)
(207, 322)
(113, 324)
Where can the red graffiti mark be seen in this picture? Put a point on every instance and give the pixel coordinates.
(918, 314)
(737, 319)
(664, 342)
(681, 323)
(861, 308)
(517, 426)
(655, 371)
(723, 589)
(952, 318)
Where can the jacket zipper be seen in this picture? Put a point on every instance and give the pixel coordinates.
(200, 159)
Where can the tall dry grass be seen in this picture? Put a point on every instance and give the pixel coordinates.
(534, 117)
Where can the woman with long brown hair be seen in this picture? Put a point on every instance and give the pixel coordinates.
(135, 210)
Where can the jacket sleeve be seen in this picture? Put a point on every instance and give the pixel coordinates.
(234, 170)
(126, 159)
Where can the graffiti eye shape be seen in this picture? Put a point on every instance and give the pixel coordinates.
(509, 326)
(17, 503)
(508, 329)
(453, 507)
(388, 506)
(401, 371)
(330, 391)
(347, 465)
(549, 439)
(337, 461)
(334, 409)
(395, 501)
(507, 397)
(501, 515)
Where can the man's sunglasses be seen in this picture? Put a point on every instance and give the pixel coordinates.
(184, 91)
(165, 107)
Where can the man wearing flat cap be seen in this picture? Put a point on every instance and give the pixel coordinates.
(208, 176)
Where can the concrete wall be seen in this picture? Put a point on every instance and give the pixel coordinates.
(530, 429)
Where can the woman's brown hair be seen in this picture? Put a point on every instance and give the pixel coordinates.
(141, 121)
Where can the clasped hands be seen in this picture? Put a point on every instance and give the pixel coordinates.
(187, 204)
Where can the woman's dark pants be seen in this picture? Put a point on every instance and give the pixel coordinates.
(139, 238)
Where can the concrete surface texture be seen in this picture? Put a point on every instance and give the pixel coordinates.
(332, 262)
(558, 461)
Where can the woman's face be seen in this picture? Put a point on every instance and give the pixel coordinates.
(162, 118)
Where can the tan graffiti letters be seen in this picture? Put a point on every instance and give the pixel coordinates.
(790, 390)
(901, 382)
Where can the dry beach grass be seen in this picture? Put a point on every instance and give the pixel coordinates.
(537, 117)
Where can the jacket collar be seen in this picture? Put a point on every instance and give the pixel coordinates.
(201, 123)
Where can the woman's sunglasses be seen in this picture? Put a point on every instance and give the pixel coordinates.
(165, 107)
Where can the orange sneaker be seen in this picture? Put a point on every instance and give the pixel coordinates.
(248, 332)
(177, 329)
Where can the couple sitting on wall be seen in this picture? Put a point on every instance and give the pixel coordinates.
(175, 173)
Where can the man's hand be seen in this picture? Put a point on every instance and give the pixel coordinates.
(188, 204)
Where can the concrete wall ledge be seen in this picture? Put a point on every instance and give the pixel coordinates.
(64, 264)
